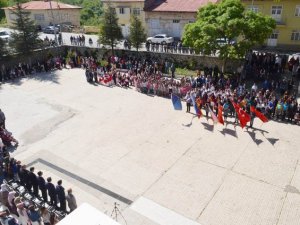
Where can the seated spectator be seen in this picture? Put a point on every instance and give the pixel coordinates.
(34, 215)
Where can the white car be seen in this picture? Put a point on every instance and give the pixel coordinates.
(4, 35)
(161, 39)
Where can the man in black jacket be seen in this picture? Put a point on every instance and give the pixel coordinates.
(51, 192)
(60, 191)
(42, 185)
(23, 175)
(33, 182)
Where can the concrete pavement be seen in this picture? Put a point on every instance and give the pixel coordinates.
(161, 165)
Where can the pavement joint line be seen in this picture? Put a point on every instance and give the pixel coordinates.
(229, 170)
(82, 180)
(286, 194)
(241, 174)
(165, 171)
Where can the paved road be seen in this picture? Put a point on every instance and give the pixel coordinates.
(66, 38)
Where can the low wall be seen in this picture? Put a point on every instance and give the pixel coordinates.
(192, 62)
(37, 55)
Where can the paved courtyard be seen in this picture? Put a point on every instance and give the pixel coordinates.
(163, 167)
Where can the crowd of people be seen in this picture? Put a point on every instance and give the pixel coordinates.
(267, 65)
(174, 47)
(21, 69)
(274, 98)
(51, 42)
(16, 206)
(78, 40)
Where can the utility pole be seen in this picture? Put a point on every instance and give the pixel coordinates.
(51, 9)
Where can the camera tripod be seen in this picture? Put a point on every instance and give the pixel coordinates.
(115, 212)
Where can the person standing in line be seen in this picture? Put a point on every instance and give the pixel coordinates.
(33, 181)
(42, 186)
(188, 102)
(71, 200)
(60, 191)
(51, 192)
(2, 119)
(173, 70)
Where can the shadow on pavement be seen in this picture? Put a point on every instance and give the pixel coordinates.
(229, 132)
(208, 126)
(253, 136)
(50, 76)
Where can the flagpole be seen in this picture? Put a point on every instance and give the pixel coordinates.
(51, 9)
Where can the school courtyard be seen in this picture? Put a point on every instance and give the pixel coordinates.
(163, 167)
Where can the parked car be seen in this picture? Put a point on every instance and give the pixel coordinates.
(160, 39)
(4, 35)
(51, 30)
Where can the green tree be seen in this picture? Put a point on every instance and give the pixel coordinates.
(110, 31)
(3, 3)
(227, 28)
(137, 34)
(26, 38)
(91, 12)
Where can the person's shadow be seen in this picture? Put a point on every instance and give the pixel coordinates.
(208, 127)
(253, 136)
(229, 132)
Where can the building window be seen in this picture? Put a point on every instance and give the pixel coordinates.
(297, 13)
(39, 17)
(136, 11)
(191, 21)
(295, 36)
(176, 21)
(274, 35)
(276, 10)
(121, 10)
(253, 8)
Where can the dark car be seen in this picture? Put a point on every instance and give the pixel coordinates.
(51, 30)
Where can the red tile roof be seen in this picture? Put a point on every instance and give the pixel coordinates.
(36, 5)
(123, 1)
(178, 5)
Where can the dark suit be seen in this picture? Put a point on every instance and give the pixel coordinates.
(52, 193)
(23, 174)
(60, 191)
(33, 183)
(42, 187)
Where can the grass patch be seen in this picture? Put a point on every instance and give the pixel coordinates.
(91, 29)
(185, 72)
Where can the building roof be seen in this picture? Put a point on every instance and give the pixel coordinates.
(38, 5)
(178, 5)
(123, 1)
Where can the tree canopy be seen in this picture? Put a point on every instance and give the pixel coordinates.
(228, 28)
(110, 32)
(3, 3)
(26, 38)
(137, 34)
(91, 10)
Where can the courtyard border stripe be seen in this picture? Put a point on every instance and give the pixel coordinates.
(82, 180)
